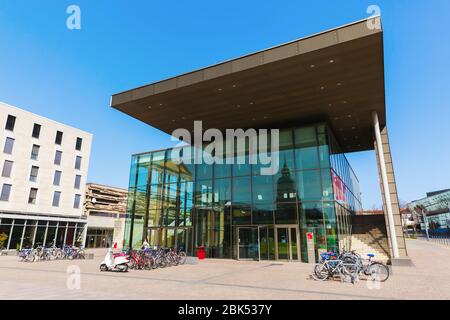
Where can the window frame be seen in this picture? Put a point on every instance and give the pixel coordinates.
(10, 168)
(7, 124)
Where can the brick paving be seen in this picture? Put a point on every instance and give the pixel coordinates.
(429, 278)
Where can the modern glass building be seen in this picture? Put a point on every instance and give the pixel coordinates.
(235, 212)
(324, 93)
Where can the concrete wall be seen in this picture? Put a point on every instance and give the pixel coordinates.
(371, 230)
(393, 193)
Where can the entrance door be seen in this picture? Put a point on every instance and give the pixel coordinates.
(248, 243)
(287, 243)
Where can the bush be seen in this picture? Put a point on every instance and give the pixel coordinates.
(3, 238)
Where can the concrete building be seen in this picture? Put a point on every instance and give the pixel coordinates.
(44, 168)
(105, 208)
(326, 95)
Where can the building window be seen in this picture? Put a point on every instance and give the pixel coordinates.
(77, 181)
(56, 197)
(78, 163)
(59, 136)
(34, 152)
(9, 144)
(32, 196)
(6, 191)
(7, 168)
(58, 156)
(78, 144)
(36, 131)
(57, 178)
(34, 173)
(10, 123)
(76, 201)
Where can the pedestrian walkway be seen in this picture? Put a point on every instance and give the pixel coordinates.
(225, 279)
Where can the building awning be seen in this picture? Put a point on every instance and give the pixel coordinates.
(335, 76)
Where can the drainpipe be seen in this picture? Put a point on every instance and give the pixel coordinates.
(387, 194)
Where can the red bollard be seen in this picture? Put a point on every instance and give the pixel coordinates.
(201, 253)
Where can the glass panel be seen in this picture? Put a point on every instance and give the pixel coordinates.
(16, 237)
(262, 199)
(294, 246)
(203, 196)
(39, 238)
(262, 189)
(9, 144)
(50, 240)
(4, 234)
(324, 156)
(285, 188)
(7, 168)
(263, 213)
(264, 243)
(309, 186)
(78, 163)
(222, 192)
(34, 152)
(56, 197)
(57, 178)
(241, 191)
(36, 130)
(312, 221)
(58, 156)
(272, 246)
(286, 213)
(170, 238)
(283, 243)
(6, 191)
(60, 234)
(327, 188)
(248, 243)
(10, 122)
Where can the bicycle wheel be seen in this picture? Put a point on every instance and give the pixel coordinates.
(81, 255)
(320, 272)
(182, 257)
(378, 271)
(132, 263)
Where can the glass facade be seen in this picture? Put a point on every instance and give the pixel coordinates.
(235, 212)
(16, 233)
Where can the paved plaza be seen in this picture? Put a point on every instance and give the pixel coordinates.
(429, 278)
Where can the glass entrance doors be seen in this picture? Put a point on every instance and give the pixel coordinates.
(268, 243)
(248, 243)
(287, 242)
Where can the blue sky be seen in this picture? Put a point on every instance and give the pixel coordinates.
(69, 75)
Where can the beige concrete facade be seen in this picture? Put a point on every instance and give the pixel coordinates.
(105, 208)
(393, 194)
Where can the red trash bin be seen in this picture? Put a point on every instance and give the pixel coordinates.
(201, 252)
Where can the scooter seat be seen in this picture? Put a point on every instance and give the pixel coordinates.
(371, 255)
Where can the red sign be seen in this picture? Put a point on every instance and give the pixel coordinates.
(309, 235)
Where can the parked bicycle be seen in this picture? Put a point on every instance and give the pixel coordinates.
(348, 266)
(41, 253)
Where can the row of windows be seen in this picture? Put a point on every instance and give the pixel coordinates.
(11, 122)
(8, 149)
(6, 192)
(8, 165)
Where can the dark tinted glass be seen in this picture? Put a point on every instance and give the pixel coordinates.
(78, 144)
(59, 136)
(36, 130)
(10, 122)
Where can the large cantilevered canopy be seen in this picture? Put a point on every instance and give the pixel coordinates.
(335, 76)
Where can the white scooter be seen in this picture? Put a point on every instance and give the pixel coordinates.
(111, 263)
